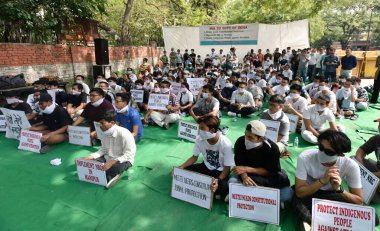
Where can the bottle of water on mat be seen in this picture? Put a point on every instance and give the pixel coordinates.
(296, 142)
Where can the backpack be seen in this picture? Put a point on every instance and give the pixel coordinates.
(8, 82)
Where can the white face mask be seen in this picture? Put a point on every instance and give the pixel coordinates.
(79, 81)
(183, 89)
(110, 131)
(139, 87)
(74, 92)
(229, 85)
(206, 135)
(322, 88)
(294, 95)
(165, 90)
(323, 158)
(204, 95)
(229, 72)
(275, 115)
(156, 90)
(241, 90)
(123, 110)
(251, 86)
(49, 109)
(249, 144)
(111, 84)
(97, 103)
(12, 100)
(319, 108)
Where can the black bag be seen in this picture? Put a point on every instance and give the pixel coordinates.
(8, 82)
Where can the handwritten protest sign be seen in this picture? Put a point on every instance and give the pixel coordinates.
(333, 215)
(99, 131)
(293, 119)
(79, 135)
(138, 95)
(16, 121)
(158, 102)
(369, 183)
(195, 84)
(91, 171)
(175, 88)
(188, 131)
(255, 203)
(2, 123)
(30, 141)
(272, 129)
(192, 187)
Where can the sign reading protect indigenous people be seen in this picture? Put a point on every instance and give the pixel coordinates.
(192, 187)
(91, 171)
(3, 124)
(272, 129)
(188, 131)
(337, 216)
(16, 121)
(255, 203)
(137, 95)
(195, 84)
(30, 141)
(79, 135)
(158, 102)
(246, 34)
(293, 119)
(369, 183)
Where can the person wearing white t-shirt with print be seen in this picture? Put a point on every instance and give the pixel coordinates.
(287, 72)
(294, 103)
(315, 117)
(320, 173)
(217, 155)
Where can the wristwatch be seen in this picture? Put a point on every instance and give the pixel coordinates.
(341, 189)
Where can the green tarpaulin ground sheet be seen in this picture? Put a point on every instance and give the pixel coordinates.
(36, 195)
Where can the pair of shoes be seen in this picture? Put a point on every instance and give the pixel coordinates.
(225, 130)
(46, 148)
(166, 126)
(354, 117)
(232, 114)
(113, 181)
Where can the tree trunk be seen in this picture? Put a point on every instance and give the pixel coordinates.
(124, 25)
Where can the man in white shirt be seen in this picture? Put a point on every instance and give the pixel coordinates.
(295, 103)
(346, 97)
(287, 72)
(325, 90)
(312, 64)
(80, 79)
(318, 65)
(282, 89)
(118, 148)
(242, 102)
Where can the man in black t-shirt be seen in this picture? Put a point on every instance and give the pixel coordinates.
(257, 161)
(14, 103)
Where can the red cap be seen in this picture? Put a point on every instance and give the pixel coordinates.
(378, 120)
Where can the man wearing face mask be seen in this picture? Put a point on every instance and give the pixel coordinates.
(325, 90)
(186, 99)
(55, 121)
(242, 102)
(139, 85)
(118, 148)
(113, 87)
(217, 155)
(14, 103)
(226, 94)
(294, 103)
(109, 96)
(315, 117)
(346, 97)
(80, 79)
(207, 105)
(61, 96)
(257, 93)
(37, 86)
(281, 89)
(77, 101)
(257, 161)
(320, 173)
(361, 102)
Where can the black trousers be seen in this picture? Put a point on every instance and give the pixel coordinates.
(117, 168)
(376, 89)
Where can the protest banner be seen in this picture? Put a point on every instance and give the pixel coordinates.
(79, 135)
(137, 95)
(334, 215)
(99, 131)
(2, 123)
(158, 102)
(254, 203)
(30, 141)
(188, 131)
(195, 84)
(241, 34)
(272, 129)
(192, 187)
(370, 182)
(175, 88)
(15, 122)
(293, 119)
(91, 171)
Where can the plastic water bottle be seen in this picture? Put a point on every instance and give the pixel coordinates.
(296, 141)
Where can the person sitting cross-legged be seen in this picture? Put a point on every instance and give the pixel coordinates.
(242, 102)
(207, 105)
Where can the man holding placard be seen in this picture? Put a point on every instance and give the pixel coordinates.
(14, 103)
(207, 105)
(217, 155)
(118, 148)
(55, 121)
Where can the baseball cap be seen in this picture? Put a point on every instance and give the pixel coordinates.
(45, 97)
(256, 127)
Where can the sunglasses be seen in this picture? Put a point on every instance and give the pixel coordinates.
(326, 151)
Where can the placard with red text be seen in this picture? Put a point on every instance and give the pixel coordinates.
(91, 171)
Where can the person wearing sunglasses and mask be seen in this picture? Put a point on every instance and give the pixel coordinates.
(217, 155)
(320, 173)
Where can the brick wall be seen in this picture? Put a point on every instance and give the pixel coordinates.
(66, 61)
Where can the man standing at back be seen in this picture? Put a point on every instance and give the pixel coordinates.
(349, 62)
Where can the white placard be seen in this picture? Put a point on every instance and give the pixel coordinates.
(99, 131)
(188, 131)
(241, 34)
(192, 187)
(79, 135)
(272, 129)
(293, 119)
(370, 182)
(91, 171)
(195, 84)
(254, 203)
(138, 95)
(30, 141)
(333, 215)
(2, 123)
(16, 121)
(52, 93)
(175, 88)
(158, 102)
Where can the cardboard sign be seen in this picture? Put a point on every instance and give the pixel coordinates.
(192, 187)
(369, 182)
(15, 122)
(195, 84)
(188, 131)
(2, 123)
(79, 135)
(272, 129)
(99, 131)
(175, 88)
(91, 171)
(333, 215)
(30, 141)
(255, 203)
(137, 95)
(158, 102)
(293, 119)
